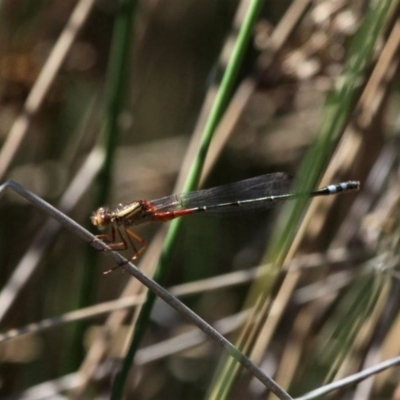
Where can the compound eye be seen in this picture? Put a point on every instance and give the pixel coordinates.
(101, 217)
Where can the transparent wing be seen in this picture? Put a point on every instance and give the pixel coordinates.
(259, 187)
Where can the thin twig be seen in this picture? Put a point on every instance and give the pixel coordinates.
(78, 230)
(351, 380)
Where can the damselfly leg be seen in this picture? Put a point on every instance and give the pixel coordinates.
(116, 240)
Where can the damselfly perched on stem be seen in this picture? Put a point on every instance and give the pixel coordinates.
(254, 194)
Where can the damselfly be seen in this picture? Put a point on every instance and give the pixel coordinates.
(255, 194)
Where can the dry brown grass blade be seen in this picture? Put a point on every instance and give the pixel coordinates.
(360, 134)
(43, 84)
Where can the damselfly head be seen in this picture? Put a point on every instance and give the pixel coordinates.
(101, 217)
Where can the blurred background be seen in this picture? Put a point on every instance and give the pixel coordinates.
(57, 99)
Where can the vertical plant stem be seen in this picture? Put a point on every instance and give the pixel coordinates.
(215, 117)
(117, 78)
